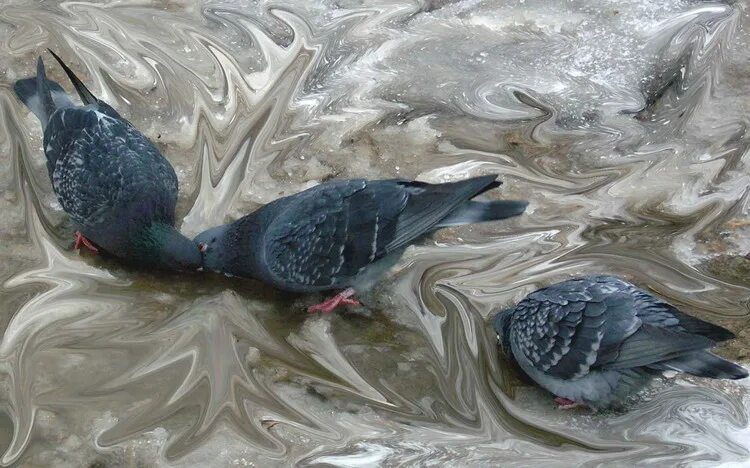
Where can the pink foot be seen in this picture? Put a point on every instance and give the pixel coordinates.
(342, 298)
(81, 240)
(564, 403)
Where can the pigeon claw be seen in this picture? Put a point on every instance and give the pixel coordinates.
(342, 298)
(565, 403)
(81, 240)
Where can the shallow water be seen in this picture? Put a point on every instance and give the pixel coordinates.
(623, 122)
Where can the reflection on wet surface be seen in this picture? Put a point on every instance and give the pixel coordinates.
(623, 123)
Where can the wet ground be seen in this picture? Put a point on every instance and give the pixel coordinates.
(623, 123)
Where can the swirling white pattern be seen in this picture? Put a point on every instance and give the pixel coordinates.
(623, 122)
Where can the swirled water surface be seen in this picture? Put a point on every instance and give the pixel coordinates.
(624, 123)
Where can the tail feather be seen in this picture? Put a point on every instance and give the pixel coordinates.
(478, 211)
(41, 95)
(492, 185)
(86, 96)
(42, 86)
(699, 327)
(704, 364)
(430, 203)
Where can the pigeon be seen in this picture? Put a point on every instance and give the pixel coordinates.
(344, 234)
(118, 189)
(593, 341)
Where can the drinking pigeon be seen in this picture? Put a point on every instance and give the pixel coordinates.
(118, 189)
(342, 235)
(597, 339)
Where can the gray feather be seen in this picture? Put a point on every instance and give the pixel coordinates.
(42, 96)
(338, 234)
(118, 189)
(599, 338)
(87, 97)
(479, 211)
(704, 364)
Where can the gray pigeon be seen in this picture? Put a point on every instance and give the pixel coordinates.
(342, 235)
(118, 189)
(595, 340)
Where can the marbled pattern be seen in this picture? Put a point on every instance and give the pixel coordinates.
(252, 101)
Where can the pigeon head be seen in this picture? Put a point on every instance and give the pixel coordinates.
(210, 246)
(502, 328)
(165, 247)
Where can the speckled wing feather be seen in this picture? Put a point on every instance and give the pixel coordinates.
(576, 326)
(324, 235)
(653, 311)
(100, 165)
(332, 232)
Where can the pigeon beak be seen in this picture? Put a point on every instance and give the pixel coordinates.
(202, 247)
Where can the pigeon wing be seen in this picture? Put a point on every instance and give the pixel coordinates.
(567, 329)
(331, 232)
(100, 164)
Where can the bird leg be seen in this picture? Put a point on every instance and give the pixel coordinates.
(81, 240)
(564, 403)
(342, 298)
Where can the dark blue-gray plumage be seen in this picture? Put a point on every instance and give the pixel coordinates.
(343, 234)
(595, 340)
(118, 189)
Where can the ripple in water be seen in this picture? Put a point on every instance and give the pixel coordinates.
(623, 123)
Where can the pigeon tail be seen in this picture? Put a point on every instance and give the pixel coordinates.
(41, 95)
(87, 97)
(704, 364)
(479, 211)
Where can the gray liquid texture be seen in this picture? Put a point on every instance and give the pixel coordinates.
(624, 123)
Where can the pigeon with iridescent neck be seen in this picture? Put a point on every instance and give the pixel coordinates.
(342, 235)
(118, 189)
